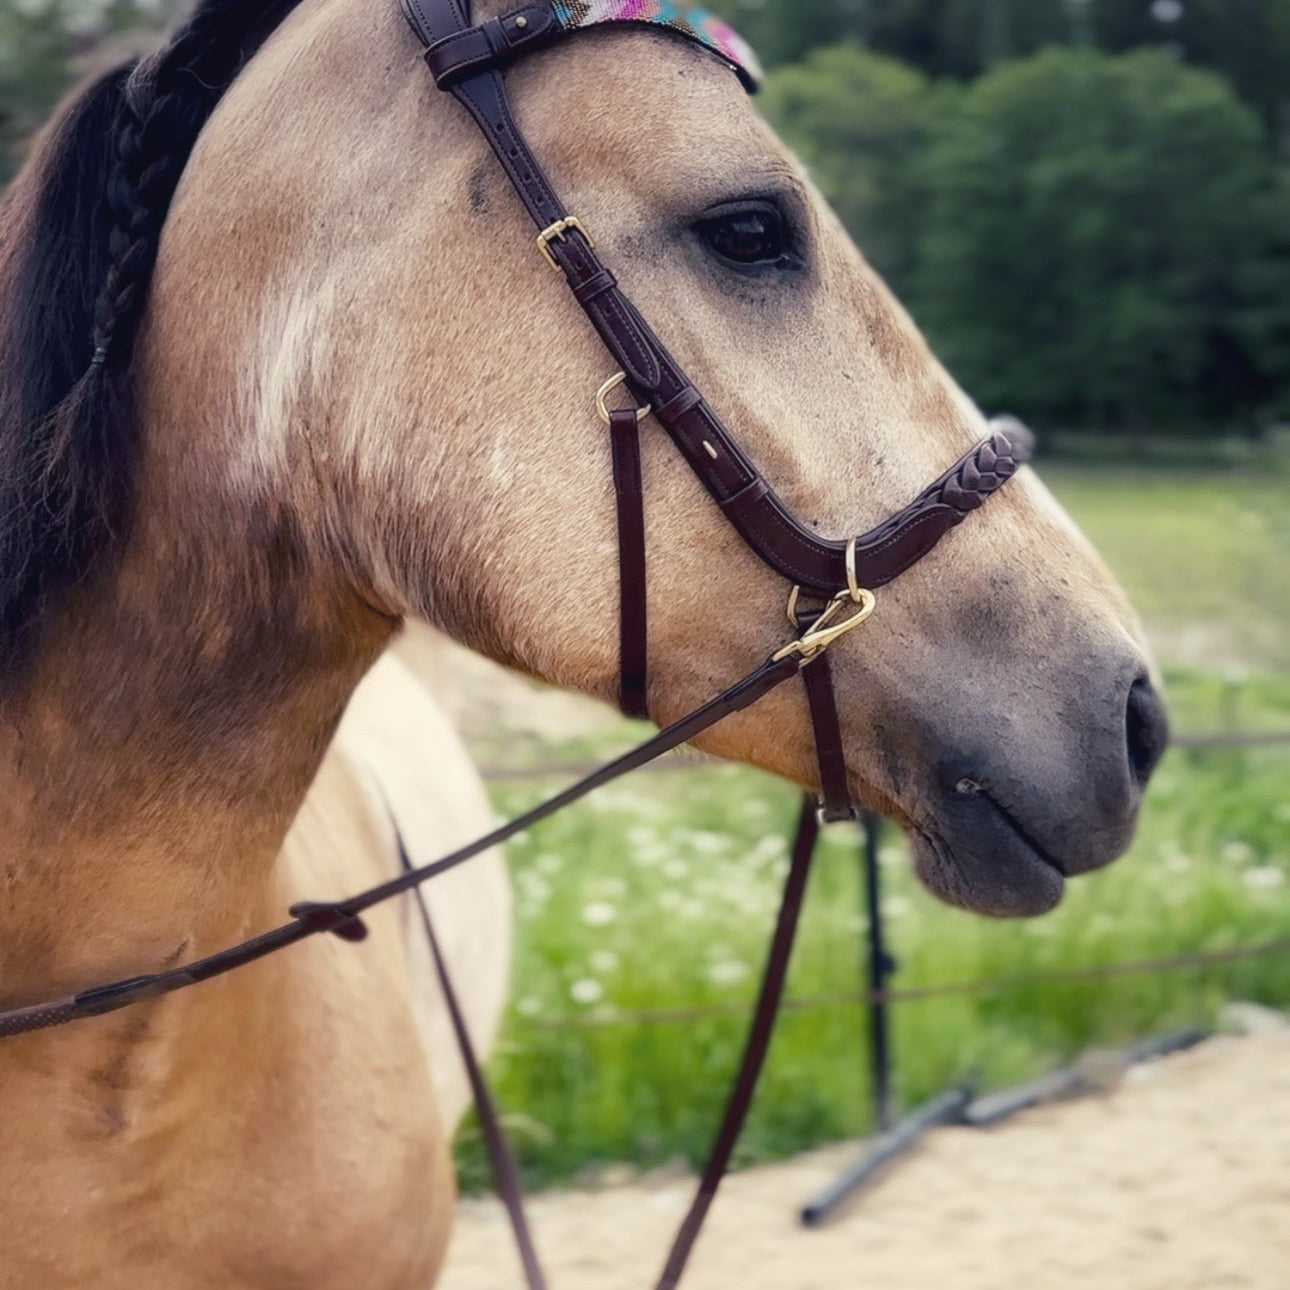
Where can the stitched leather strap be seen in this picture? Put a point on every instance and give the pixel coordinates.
(729, 476)
(633, 647)
(835, 795)
(756, 1046)
(491, 44)
(506, 1172)
(343, 917)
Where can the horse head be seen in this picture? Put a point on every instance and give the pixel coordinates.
(356, 367)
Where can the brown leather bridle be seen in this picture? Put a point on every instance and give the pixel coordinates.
(468, 61)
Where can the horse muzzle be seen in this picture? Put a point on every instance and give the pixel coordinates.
(1008, 818)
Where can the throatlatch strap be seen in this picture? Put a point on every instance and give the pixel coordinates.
(758, 1043)
(633, 639)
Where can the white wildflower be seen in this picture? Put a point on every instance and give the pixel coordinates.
(587, 990)
(603, 961)
(599, 913)
(1264, 878)
(533, 888)
(708, 844)
(727, 971)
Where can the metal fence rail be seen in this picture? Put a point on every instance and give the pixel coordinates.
(915, 994)
(690, 759)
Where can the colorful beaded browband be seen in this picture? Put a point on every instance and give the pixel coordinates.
(697, 24)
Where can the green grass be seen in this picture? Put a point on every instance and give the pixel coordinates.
(1205, 557)
(658, 893)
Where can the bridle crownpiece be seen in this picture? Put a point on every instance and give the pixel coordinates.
(456, 55)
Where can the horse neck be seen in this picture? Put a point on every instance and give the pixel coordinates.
(161, 742)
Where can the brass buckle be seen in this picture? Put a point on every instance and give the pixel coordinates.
(826, 628)
(558, 230)
(603, 393)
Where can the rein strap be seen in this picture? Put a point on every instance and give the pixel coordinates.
(343, 918)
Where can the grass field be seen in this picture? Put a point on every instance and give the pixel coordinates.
(657, 894)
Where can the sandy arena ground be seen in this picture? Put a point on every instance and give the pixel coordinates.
(1177, 1180)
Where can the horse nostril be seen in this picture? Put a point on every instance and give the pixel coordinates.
(1146, 729)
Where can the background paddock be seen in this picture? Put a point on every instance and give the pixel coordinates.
(1179, 1180)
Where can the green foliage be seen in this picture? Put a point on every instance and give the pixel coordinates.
(35, 49)
(858, 120)
(46, 46)
(1097, 240)
(658, 893)
(1205, 559)
(964, 37)
(784, 32)
(1246, 40)
(658, 896)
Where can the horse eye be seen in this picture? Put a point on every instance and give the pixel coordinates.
(749, 233)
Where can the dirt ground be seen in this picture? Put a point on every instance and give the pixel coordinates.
(1179, 1179)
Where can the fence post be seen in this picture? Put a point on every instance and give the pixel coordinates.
(881, 965)
(891, 1140)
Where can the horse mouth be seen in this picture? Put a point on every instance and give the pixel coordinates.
(975, 854)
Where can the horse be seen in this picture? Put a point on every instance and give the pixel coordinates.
(283, 370)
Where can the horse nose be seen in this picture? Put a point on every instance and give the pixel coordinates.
(1146, 729)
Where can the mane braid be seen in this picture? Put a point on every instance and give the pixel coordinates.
(79, 232)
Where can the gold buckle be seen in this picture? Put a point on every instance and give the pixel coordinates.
(558, 230)
(826, 629)
(602, 394)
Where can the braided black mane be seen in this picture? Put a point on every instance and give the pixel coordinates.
(79, 230)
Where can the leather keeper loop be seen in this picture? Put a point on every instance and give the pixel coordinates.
(678, 405)
(491, 44)
(740, 503)
(594, 286)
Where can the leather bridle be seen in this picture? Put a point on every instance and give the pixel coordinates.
(839, 576)
(469, 62)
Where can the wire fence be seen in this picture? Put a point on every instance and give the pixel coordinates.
(688, 759)
(913, 994)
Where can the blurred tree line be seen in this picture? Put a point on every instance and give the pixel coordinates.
(46, 46)
(1085, 202)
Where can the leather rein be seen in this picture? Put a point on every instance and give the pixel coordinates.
(469, 61)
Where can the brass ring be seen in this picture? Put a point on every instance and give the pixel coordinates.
(853, 586)
(614, 381)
